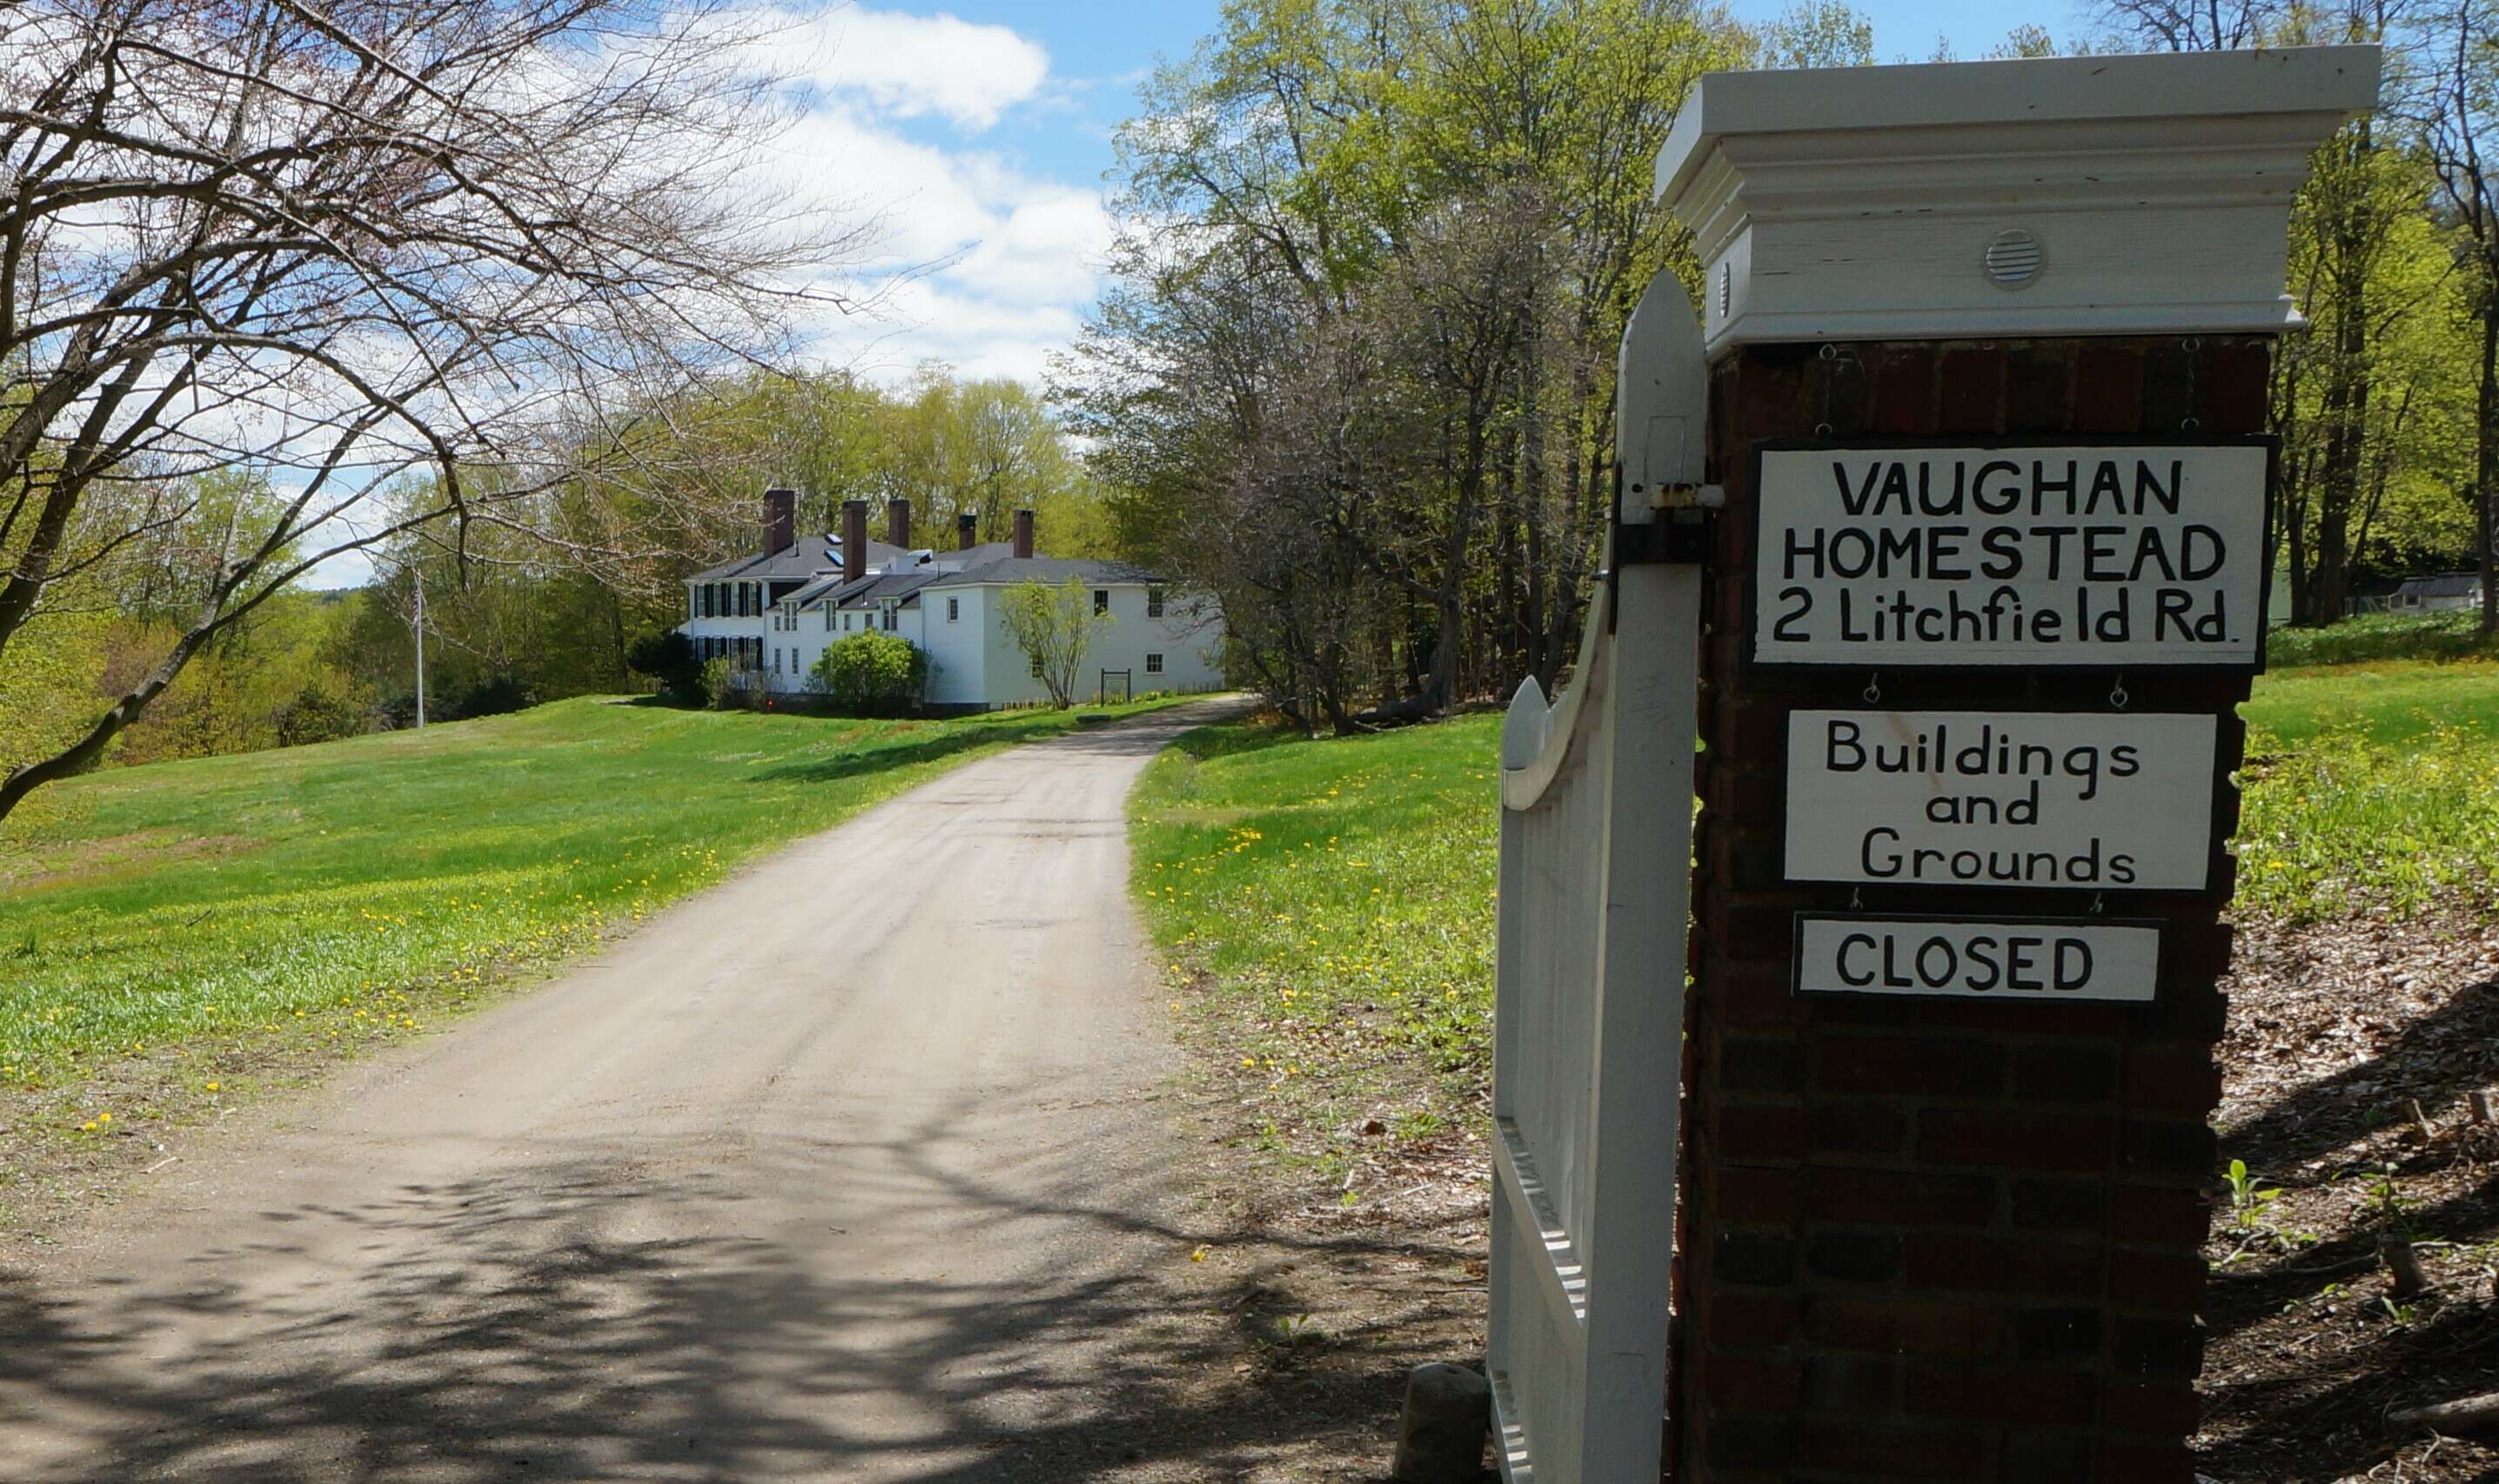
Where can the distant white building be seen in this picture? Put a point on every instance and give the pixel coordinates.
(775, 614)
(2445, 592)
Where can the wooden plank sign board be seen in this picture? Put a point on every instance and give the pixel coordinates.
(2061, 800)
(1978, 958)
(2143, 553)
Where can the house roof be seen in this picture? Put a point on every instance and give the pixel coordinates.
(1051, 570)
(870, 590)
(807, 556)
(2445, 585)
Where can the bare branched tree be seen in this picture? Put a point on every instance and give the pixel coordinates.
(407, 265)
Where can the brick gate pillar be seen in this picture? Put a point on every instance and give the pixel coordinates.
(1945, 1225)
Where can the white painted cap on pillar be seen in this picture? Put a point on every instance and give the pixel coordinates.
(2090, 195)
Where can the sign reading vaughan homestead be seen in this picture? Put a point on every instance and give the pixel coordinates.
(1960, 798)
(2144, 553)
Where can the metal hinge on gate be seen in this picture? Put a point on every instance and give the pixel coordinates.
(1680, 535)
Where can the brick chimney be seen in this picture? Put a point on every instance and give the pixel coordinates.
(967, 531)
(1023, 533)
(780, 520)
(897, 523)
(854, 539)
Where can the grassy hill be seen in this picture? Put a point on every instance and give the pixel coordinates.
(344, 891)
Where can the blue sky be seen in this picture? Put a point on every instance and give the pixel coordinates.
(981, 129)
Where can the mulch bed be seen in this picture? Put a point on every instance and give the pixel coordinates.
(2352, 1053)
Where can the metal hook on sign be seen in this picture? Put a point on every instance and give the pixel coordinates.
(1856, 900)
(2190, 344)
(2099, 903)
(1828, 351)
(1873, 687)
(2189, 424)
(2117, 693)
(1822, 429)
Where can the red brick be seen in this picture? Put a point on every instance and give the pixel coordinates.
(2176, 1148)
(1967, 1262)
(1751, 1318)
(2172, 1079)
(1874, 1197)
(2137, 1464)
(1770, 398)
(2156, 1279)
(1875, 1450)
(2160, 1411)
(1752, 1194)
(1970, 390)
(1904, 1066)
(1859, 1128)
(2235, 392)
(2065, 1072)
(2060, 1205)
(1905, 389)
(1750, 927)
(2108, 387)
(1891, 1326)
(1761, 1063)
(1838, 391)
(2037, 390)
(2159, 1214)
(1750, 1383)
(2016, 1138)
(1761, 1131)
(1850, 1384)
(1993, 1392)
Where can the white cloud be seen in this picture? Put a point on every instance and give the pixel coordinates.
(906, 66)
(985, 265)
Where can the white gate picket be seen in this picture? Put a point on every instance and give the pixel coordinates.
(1596, 833)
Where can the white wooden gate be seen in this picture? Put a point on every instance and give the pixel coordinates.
(1596, 847)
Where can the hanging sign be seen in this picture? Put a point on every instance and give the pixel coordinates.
(2120, 554)
(2076, 800)
(2041, 960)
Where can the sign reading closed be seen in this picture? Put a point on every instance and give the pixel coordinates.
(2149, 554)
(2089, 801)
(1977, 959)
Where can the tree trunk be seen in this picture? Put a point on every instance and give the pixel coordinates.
(2485, 473)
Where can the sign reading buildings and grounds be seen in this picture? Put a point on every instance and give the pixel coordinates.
(2136, 553)
(2141, 553)
(2091, 801)
(2041, 960)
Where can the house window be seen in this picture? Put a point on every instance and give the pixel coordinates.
(829, 620)
(889, 615)
(1101, 599)
(954, 609)
(1153, 664)
(1153, 603)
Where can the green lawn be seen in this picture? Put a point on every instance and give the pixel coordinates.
(347, 890)
(1327, 906)
(1328, 909)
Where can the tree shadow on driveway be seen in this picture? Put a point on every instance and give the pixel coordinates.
(566, 1318)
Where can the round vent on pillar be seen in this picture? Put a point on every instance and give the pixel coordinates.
(2015, 259)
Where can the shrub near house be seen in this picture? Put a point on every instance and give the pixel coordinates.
(871, 674)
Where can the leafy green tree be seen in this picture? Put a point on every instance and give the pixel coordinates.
(670, 659)
(1054, 626)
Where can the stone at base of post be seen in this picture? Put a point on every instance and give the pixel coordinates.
(1441, 1434)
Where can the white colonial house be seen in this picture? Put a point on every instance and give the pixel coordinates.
(775, 614)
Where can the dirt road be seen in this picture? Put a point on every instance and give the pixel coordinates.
(854, 1169)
